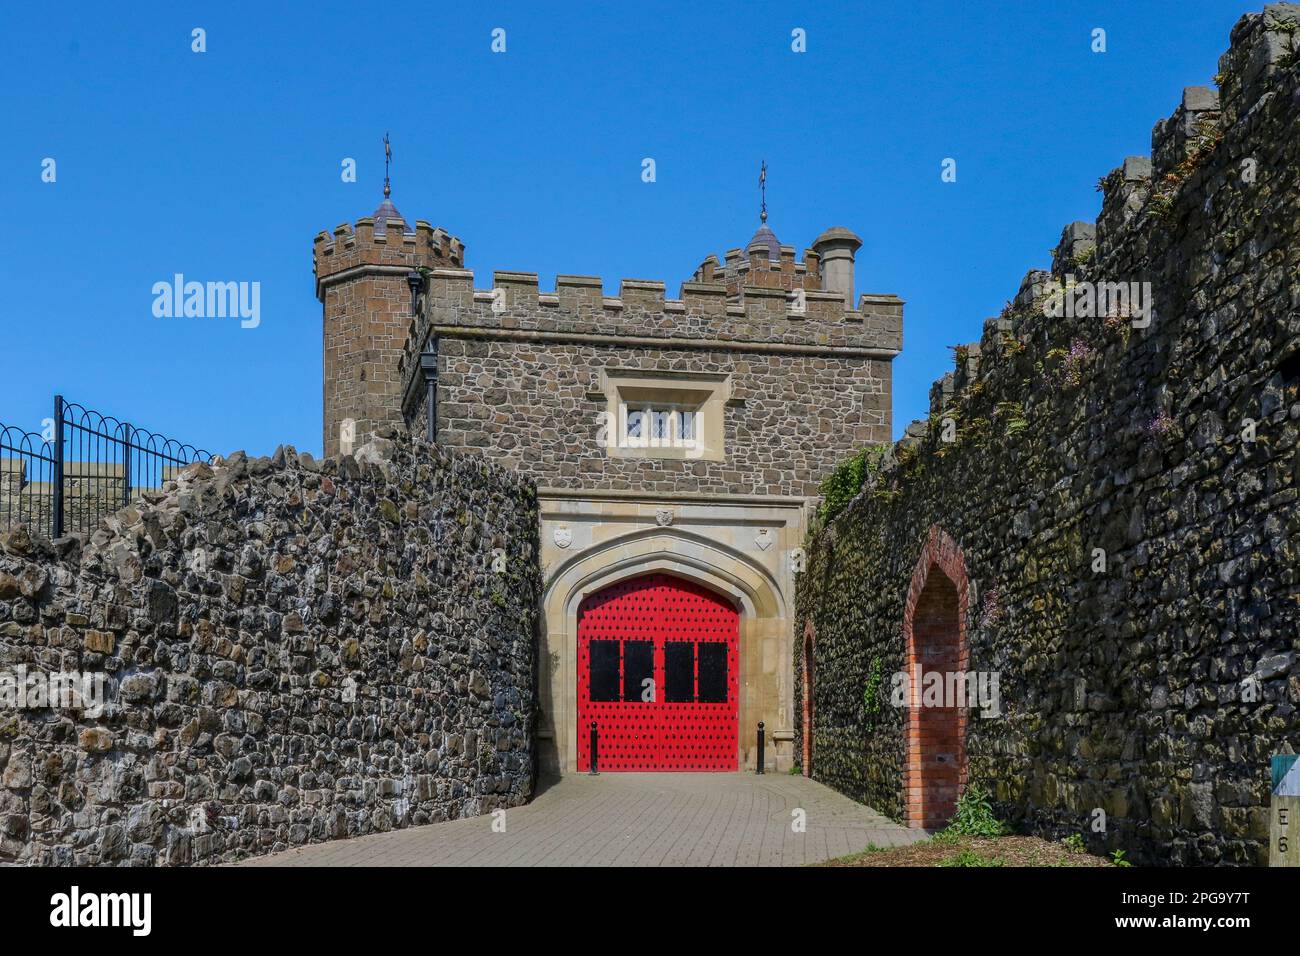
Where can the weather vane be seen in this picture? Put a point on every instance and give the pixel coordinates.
(388, 158)
(762, 185)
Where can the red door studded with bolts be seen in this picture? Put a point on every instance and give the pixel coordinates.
(657, 662)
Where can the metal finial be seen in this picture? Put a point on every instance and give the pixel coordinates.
(762, 185)
(388, 158)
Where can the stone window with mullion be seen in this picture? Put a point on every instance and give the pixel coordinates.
(646, 425)
(654, 414)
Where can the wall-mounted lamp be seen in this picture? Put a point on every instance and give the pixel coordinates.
(416, 281)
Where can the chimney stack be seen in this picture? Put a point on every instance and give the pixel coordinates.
(836, 248)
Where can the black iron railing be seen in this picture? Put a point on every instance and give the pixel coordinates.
(84, 467)
(26, 480)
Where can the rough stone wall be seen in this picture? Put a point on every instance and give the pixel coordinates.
(1127, 685)
(294, 651)
(519, 377)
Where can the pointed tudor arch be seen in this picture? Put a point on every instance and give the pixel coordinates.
(809, 708)
(679, 552)
(934, 632)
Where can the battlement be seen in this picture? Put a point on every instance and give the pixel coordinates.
(703, 315)
(743, 269)
(1187, 214)
(385, 245)
(522, 290)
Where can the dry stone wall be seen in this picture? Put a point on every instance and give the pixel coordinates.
(292, 651)
(1125, 502)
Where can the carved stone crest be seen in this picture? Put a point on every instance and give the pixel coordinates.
(664, 516)
(563, 537)
(763, 539)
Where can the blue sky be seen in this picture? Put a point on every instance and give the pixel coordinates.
(223, 165)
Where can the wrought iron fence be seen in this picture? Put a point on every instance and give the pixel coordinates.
(86, 466)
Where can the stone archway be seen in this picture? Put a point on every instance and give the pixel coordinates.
(765, 663)
(934, 630)
(809, 709)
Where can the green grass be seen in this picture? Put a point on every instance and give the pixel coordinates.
(971, 858)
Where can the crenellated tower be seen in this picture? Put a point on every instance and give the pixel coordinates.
(363, 274)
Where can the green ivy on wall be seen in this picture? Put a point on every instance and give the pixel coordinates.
(871, 698)
(843, 484)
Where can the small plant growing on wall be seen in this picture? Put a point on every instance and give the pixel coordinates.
(1012, 345)
(1162, 426)
(1075, 362)
(991, 608)
(1118, 325)
(872, 701)
(839, 487)
(1082, 259)
(1205, 139)
(1012, 416)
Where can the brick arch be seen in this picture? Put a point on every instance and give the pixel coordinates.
(809, 710)
(934, 631)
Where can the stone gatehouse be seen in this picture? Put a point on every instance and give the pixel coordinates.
(1100, 512)
(677, 444)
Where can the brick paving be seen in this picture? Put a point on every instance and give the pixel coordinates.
(633, 819)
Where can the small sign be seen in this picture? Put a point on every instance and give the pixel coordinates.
(1284, 812)
(1286, 775)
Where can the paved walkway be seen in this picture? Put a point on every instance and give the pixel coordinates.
(633, 819)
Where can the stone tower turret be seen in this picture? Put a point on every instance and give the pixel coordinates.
(362, 282)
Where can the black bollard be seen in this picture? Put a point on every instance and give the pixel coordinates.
(593, 771)
(760, 746)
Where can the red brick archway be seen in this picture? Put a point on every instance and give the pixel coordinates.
(934, 629)
(809, 666)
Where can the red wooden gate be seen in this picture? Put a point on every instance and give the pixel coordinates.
(657, 670)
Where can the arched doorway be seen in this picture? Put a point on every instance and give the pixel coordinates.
(809, 710)
(767, 638)
(658, 662)
(934, 626)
